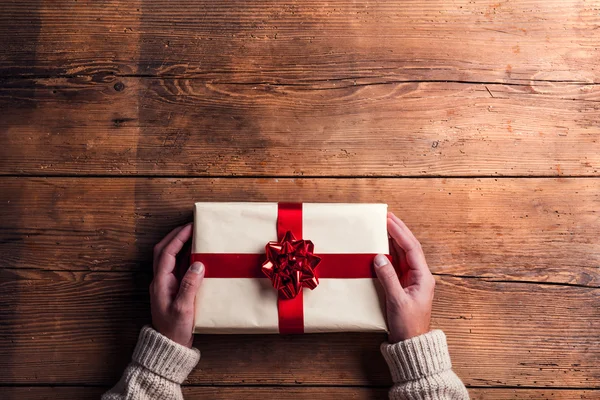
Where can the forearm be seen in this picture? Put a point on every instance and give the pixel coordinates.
(157, 369)
(421, 369)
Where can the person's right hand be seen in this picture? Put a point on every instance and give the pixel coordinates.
(172, 302)
(408, 298)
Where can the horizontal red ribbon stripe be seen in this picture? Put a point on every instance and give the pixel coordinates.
(225, 265)
(234, 265)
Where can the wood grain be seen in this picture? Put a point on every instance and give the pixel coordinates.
(376, 90)
(541, 230)
(280, 41)
(180, 126)
(307, 393)
(77, 327)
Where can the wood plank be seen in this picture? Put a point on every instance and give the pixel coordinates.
(52, 392)
(77, 327)
(276, 393)
(542, 230)
(189, 127)
(532, 394)
(263, 40)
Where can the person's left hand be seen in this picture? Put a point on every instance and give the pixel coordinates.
(171, 302)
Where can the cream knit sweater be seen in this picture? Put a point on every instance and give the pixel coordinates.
(420, 368)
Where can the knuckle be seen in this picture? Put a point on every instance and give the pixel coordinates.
(178, 308)
(168, 249)
(389, 274)
(417, 245)
(156, 249)
(181, 309)
(187, 284)
(162, 256)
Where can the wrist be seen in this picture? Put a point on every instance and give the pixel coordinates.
(398, 339)
(400, 335)
(164, 357)
(419, 356)
(172, 331)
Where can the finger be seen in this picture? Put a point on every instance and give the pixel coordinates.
(388, 277)
(183, 260)
(398, 254)
(167, 258)
(406, 232)
(411, 246)
(401, 256)
(158, 248)
(160, 245)
(189, 285)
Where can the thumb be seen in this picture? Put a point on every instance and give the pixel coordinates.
(388, 277)
(190, 284)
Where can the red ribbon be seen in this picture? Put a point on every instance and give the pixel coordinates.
(290, 311)
(290, 265)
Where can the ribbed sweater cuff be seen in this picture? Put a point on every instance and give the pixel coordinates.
(417, 357)
(163, 356)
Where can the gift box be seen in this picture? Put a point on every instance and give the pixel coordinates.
(289, 267)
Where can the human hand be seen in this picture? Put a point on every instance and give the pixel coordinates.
(171, 302)
(409, 298)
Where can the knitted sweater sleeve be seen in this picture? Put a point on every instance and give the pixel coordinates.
(421, 369)
(157, 369)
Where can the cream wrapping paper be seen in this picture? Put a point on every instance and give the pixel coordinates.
(249, 305)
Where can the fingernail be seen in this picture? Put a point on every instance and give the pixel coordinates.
(380, 260)
(197, 268)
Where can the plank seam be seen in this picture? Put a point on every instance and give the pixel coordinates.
(308, 81)
(292, 385)
(492, 279)
(179, 176)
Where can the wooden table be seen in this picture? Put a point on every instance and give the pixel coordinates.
(477, 122)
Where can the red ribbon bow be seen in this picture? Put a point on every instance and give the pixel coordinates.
(290, 265)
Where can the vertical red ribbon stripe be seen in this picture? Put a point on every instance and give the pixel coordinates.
(289, 218)
(290, 311)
